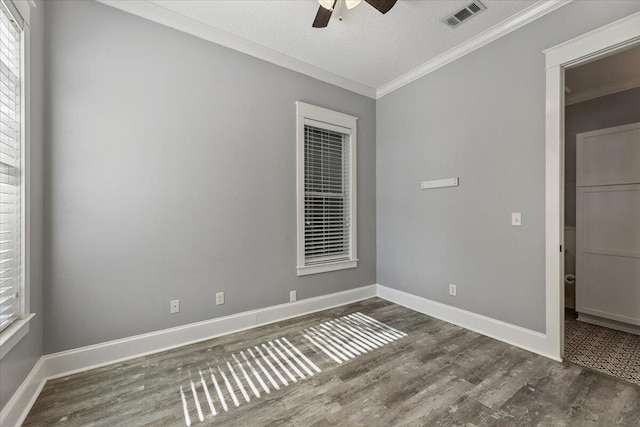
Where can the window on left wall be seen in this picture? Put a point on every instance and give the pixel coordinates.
(12, 176)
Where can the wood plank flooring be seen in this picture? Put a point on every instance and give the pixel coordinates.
(438, 375)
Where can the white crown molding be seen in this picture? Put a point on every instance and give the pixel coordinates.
(169, 18)
(18, 407)
(177, 21)
(516, 21)
(605, 90)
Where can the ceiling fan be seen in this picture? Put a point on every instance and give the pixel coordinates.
(327, 6)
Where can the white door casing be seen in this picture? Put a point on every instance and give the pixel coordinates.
(603, 41)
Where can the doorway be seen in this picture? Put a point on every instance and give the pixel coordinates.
(602, 214)
(605, 41)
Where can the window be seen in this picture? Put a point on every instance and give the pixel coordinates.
(326, 150)
(11, 170)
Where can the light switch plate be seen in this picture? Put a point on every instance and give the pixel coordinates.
(220, 298)
(516, 219)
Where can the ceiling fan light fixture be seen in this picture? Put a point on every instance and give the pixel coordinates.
(352, 3)
(327, 4)
(326, 9)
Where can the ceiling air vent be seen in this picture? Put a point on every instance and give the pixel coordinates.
(463, 14)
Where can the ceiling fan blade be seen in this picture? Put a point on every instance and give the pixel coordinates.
(322, 17)
(383, 6)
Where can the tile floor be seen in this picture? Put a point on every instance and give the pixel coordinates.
(605, 350)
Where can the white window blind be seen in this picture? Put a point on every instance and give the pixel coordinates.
(326, 148)
(10, 171)
(327, 210)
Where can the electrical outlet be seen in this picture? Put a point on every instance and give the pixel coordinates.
(292, 296)
(452, 290)
(516, 219)
(220, 298)
(175, 306)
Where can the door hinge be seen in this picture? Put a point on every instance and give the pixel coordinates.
(560, 248)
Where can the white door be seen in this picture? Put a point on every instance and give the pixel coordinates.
(608, 223)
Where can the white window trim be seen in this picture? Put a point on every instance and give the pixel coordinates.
(335, 121)
(13, 334)
(19, 329)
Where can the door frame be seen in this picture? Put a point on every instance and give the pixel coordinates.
(604, 41)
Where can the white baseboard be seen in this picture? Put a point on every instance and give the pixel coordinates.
(527, 339)
(84, 358)
(609, 323)
(81, 359)
(17, 408)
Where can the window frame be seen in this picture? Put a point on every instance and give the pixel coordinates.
(337, 122)
(12, 334)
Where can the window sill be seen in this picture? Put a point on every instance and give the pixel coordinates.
(13, 334)
(323, 268)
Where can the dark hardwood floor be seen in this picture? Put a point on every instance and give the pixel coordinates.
(437, 375)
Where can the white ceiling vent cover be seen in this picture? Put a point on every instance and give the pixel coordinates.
(463, 14)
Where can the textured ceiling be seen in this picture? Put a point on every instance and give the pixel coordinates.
(619, 68)
(366, 46)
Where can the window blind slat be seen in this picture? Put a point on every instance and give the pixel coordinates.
(5, 289)
(323, 260)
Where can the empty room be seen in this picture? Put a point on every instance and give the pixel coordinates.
(320, 212)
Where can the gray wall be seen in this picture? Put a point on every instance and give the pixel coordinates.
(480, 118)
(17, 364)
(607, 111)
(171, 174)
